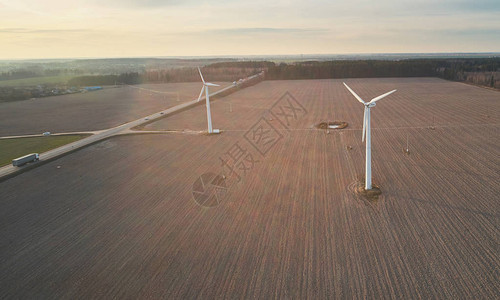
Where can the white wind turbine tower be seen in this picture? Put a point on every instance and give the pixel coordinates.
(367, 131)
(207, 99)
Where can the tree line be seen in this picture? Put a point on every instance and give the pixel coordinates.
(92, 80)
(36, 72)
(480, 71)
(451, 69)
(227, 71)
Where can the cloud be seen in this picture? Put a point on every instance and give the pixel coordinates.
(37, 31)
(474, 6)
(140, 3)
(472, 32)
(12, 30)
(266, 30)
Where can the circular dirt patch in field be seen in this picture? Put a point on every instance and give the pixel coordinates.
(358, 189)
(372, 194)
(332, 125)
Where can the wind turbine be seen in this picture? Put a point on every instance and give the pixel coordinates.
(207, 99)
(367, 131)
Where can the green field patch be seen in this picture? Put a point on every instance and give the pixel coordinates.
(17, 147)
(34, 81)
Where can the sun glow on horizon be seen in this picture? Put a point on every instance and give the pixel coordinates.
(69, 29)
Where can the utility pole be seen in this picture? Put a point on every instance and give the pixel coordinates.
(407, 143)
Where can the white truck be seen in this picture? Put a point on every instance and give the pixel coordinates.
(17, 162)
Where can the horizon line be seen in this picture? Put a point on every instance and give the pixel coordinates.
(254, 55)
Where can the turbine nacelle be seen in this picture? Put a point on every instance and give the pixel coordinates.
(205, 85)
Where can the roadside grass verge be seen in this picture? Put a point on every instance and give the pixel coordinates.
(13, 148)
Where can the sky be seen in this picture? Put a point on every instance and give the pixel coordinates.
(133, 28)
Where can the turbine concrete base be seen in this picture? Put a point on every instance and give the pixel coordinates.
(370, 195)
(213, 133)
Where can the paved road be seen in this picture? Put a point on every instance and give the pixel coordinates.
(10, 170)
(52, 134)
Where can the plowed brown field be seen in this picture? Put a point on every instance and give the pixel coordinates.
(119, 219)
(91, 111)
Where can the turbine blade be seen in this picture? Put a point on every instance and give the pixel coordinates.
(364, 125)
(354, 94)
(381, 96)
(201, 93)
(211, 84)
(201, 75)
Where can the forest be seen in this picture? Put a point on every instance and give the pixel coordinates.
(478, 71)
